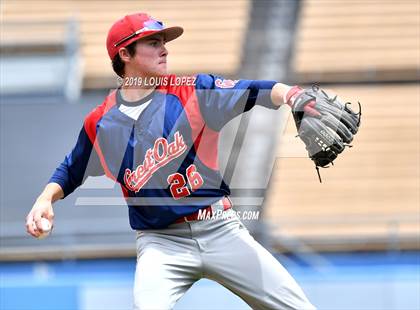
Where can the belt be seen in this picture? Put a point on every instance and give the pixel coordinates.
(225, 202)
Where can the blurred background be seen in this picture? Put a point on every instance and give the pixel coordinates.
(352, 242)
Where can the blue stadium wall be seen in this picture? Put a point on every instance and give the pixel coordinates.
(353, 281)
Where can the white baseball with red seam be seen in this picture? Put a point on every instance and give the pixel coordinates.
(46, 228)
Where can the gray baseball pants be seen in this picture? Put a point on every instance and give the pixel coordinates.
(170, 260)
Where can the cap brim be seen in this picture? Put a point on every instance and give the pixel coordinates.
(170, 33)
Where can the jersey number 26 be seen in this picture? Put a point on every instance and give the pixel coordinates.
(178, 185)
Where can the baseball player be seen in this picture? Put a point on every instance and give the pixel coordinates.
(157, 136)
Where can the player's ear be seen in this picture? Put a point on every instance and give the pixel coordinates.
(124, 54)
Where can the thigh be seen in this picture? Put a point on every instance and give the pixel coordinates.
(165, 271)
(246, 268)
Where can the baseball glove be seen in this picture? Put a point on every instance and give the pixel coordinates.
(324, 124)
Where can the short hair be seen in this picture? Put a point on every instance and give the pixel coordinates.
(118, 65)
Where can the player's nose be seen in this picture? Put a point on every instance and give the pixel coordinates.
(164, 52)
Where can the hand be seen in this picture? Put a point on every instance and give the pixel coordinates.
(326, 125)
(42, 208)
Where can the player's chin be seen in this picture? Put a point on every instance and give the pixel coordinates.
(162, 68)
(158, 71)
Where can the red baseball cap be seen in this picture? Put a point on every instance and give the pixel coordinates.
(132, 27)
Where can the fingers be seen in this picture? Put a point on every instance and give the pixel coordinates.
(50, 217)
(338, 127)
(33, 220)
(37, 220)
(351, 121)
(340, 111)
(30, 227)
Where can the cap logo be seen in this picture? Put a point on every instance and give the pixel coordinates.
(148, 26)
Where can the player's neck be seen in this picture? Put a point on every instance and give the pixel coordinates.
(135, 93)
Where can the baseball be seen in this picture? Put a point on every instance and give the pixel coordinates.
(46, 228)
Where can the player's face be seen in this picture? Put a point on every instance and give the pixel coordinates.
(150, 57)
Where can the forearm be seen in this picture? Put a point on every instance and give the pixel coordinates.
(278, 93)
(52, 192)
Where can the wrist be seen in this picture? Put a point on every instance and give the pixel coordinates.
(44, 198)
(278, 93)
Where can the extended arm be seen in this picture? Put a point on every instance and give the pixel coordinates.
(80, 163)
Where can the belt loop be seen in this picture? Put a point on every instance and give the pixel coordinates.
(219, 205)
